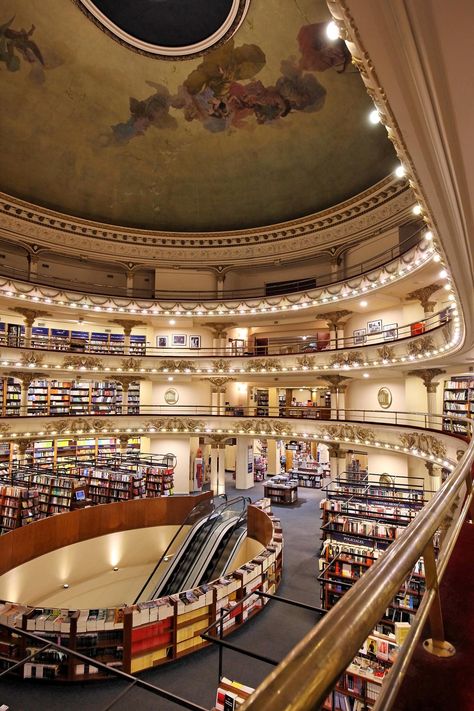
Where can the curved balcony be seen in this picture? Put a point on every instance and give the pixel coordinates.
(386, 430)
(430, 338)
(375, 273)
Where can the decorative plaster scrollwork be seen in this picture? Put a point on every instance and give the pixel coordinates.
(263, 364)
(75, 426)
(84, 362)
(176, 424)
(306, 361)
(421, 345)
(221, 365)
(351, 432)
(346, 359)
(268, 427)
(183, 366)
(386, 352)
(131, 363)
(32, 360)
(424, 443)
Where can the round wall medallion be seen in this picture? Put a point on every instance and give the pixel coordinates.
(171, 396)
(384, 397)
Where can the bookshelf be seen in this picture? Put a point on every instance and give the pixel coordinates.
(19, 506)
(55, 493)
(458, 399)
(261, 399)
(11, 392)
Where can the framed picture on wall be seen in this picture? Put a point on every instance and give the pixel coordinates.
(374, 326)
(390, 332)
(195, 341)
(162, 341)
(359, 336)
(178, 339)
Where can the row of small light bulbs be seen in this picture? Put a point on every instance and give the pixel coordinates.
(224, 310)
(208, 430)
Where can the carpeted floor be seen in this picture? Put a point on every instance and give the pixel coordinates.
(273, 633)
(434, 684)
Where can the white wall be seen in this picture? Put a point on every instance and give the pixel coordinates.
(372, 247)
(381, 462)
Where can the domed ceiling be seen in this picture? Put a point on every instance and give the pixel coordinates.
(267, 126)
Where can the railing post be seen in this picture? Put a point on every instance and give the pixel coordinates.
(436, 644)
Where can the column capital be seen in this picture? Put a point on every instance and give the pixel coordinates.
(30, 315)
(427, 375)
(423, 295)
(337, 382)
(333, 318)
(127, 325)
(26, 377)
(219, 383)
(127, 380)
(219, 328)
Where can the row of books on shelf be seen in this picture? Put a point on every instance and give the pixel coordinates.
(367, 509)
(19, 506)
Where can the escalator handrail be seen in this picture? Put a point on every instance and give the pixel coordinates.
(237, 524)
(219, 511)
(185, 522)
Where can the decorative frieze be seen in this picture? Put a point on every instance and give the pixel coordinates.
(353, 433)
(346, 359)
(267, 427)
(175, 424)
(423, 443)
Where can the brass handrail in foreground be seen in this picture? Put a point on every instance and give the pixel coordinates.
(305, 677)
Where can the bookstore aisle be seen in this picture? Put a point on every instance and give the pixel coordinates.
(273, 633)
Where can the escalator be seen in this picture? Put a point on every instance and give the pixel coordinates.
(202, 549)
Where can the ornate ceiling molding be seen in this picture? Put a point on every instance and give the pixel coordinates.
(384, 206)
(222, 34)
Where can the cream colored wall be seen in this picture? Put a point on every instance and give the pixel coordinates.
(184, 280)
(371, 247)
(388, 316)
(362, 394)
(387, 462)
(190, 393)
(415, 396)
(181, 447)
(185, 327)
(250, 278)
(87, 567)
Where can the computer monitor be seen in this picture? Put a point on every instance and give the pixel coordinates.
(80, 495)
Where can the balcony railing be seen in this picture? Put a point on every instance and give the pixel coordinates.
(92, 287)
(306, 343)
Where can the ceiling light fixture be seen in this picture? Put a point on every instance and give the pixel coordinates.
(332, 31)
(416, 210)
(400, 171)
(172, 322)
(363, 303)
(374, 117)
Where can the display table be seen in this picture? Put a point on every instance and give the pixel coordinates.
(280, 493)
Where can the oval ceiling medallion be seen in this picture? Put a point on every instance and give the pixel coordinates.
(167, 29)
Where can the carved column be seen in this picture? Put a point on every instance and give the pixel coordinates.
(217, 465)
(32, 267)
(243, 477)
(219, 336)
(129, 285)
(334, 459)
(433, 481)
(29, 317)
(23, 445)
(127, 326)
(334, 320)
(273, 457)
(218, 394)
(337, 387)
(427, 375)
(423, 296)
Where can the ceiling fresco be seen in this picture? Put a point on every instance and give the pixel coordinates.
(270, 126)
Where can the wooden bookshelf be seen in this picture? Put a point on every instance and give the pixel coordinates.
(458, 399)
(280, 491)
